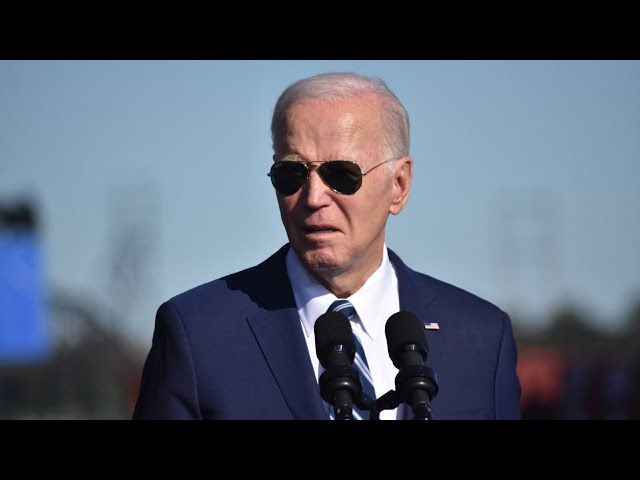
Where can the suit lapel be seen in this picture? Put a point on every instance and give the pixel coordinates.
(281, 340)
(416, 294)
(277, 330)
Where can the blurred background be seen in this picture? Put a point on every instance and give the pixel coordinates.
(124, 183)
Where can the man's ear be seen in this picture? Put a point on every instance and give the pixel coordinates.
(402, 174)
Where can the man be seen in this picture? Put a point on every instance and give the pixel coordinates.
(243, 346)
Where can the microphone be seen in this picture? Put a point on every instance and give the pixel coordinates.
(416, 384)
(336, 349)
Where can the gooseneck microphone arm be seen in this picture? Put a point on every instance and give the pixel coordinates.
(339, 385)
(416, 384)
(335, 347)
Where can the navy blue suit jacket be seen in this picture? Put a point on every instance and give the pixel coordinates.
(233, 348)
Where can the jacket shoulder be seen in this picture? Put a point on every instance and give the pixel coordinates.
(261, 285)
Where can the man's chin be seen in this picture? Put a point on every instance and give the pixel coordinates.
(318, 261)
(320, 264)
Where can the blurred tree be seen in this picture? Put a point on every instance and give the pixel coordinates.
(571, 331)
(631, 331)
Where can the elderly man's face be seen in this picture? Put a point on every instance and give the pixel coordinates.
(333, 233)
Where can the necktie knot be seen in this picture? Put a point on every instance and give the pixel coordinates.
(343, 306)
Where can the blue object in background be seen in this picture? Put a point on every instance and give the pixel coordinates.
(24, 336)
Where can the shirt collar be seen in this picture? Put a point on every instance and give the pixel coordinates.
(371, 301)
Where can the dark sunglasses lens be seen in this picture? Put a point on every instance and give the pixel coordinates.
(288, 177)
(344, 177)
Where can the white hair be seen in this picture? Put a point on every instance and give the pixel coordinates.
(329, 87)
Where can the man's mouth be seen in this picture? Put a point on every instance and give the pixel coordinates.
(318, 229)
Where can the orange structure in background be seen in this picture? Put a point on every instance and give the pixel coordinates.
(542, 374)
(558, 385)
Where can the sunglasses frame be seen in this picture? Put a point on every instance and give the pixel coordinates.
(319, 167)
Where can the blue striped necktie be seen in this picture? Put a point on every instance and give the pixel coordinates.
(360, 362)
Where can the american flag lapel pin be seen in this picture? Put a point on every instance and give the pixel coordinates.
(431, 326)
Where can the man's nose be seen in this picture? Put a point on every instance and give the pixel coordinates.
(316, 193)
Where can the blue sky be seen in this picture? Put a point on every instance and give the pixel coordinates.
(525, 185)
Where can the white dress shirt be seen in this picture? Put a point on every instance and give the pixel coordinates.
(374, 302)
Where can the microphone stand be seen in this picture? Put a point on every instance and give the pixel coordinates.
(388, 401)
(391, 400)
(416, 385)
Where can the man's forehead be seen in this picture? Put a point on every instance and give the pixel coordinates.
(335, 123)
(359, 103)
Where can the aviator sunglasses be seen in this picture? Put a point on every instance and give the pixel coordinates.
(342, 176)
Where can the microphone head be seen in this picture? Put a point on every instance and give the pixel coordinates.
(405, 333)
(333, 334)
